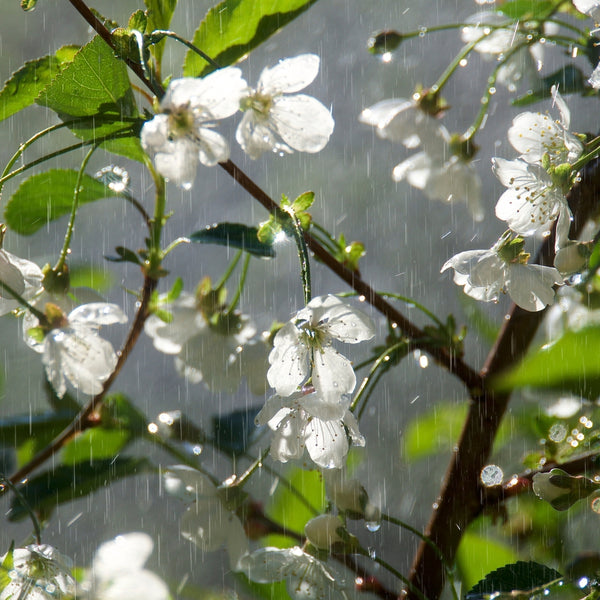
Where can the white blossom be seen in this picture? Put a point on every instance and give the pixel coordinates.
(323, 532)
(208, 522)
(279, 120)
(485, 274)
(532, 201)
(306, 577)
(204, 352)
(37, 572)
(534, 135)
(400, 120)
(306, 421)
(183, 134)
(118, 572)
(72, 349)
(303, 347)
(22, 276)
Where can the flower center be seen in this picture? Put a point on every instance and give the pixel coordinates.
(259, 103)
(181, 122)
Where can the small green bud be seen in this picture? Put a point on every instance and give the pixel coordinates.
(385, 41)
(138, 21)
(56, 282)
(512, 251)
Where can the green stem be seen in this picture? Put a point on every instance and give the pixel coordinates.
(240, 288)
(302, 253)
(39, 315)
(381, 360)
(445, 76)
(368, 395)
(124, 134)
(191, 46)
(256, 464)
(413, 588)
(588, 156)
(155, 254)
(174, 244)
(327, 239)
(232, 265)
(429, 542)
(58, 267)
(17, 492)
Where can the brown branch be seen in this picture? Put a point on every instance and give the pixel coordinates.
(454, 364)
(460, 499)
(84, 419)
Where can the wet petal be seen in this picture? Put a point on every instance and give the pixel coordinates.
(289, 75)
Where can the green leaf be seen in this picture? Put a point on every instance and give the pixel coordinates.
(570, 363)
(87, 276)
(28, 5)
(24, 85)
(95, 444)
(96, 84)
(14, 431)
(477, 555)
(286, 508)
(118, 411)
(521, 576)
(234, 235)
(234, 27)
(66, 483)
(6, 567)
(527, 9)
(569, 78)
(124, 255)
(159, 13)
(96, 81)
(48, 196)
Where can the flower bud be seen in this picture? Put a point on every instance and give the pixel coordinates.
(323, 532)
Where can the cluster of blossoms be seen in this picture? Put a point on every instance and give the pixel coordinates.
(275, 118)
(537, 182)
(40, 572)
(66, 335)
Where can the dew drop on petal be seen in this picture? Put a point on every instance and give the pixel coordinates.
(491, 475)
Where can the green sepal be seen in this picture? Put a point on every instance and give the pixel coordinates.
(125, 255)
(383, 42)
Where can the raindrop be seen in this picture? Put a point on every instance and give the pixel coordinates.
(557, 433)
(595, 504)
(423, 361)
(574, 52)
(114, 177)
(492, 90)
(464, 62)
(372, 554)
(491, 475)
(386, 57)
(187, 186)
(373, 526)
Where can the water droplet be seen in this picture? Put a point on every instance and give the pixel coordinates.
(423, 361)
(464, 62)
(114, 177)
(491, 475)
(187, 186)
(492, 90)
(373, 526)
(557, 432)
(372, 553)
(595, 504)
(386, 57)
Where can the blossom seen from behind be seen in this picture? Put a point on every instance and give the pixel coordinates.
(183, 134)
(279, 120)
(485, 274)
(22, 276)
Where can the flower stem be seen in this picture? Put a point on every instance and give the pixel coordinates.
(302, 253)
(39, 315)
(256, 464)
(423, 537)
(445, 76)
(232, 265)
(240, 288)
(191, 46)
(17, 492)
(58, 267)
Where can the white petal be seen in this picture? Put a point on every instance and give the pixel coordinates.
(533, 134)
(530, 286)
(155, 134)
(327, 443)
(332, 374)
(344, 322)
(594, 79)
(380, 114)
(177, 161)
(589, 7)
(255, 137)
(220, 93)
(302, 122)
(96, 314)
(52, 361)
(122, 555)
(136, 585)
(213, 148)
(289, 75)
(289, 361)
(288, 440)
(416, 169)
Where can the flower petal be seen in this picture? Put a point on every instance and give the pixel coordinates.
(289, 75)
